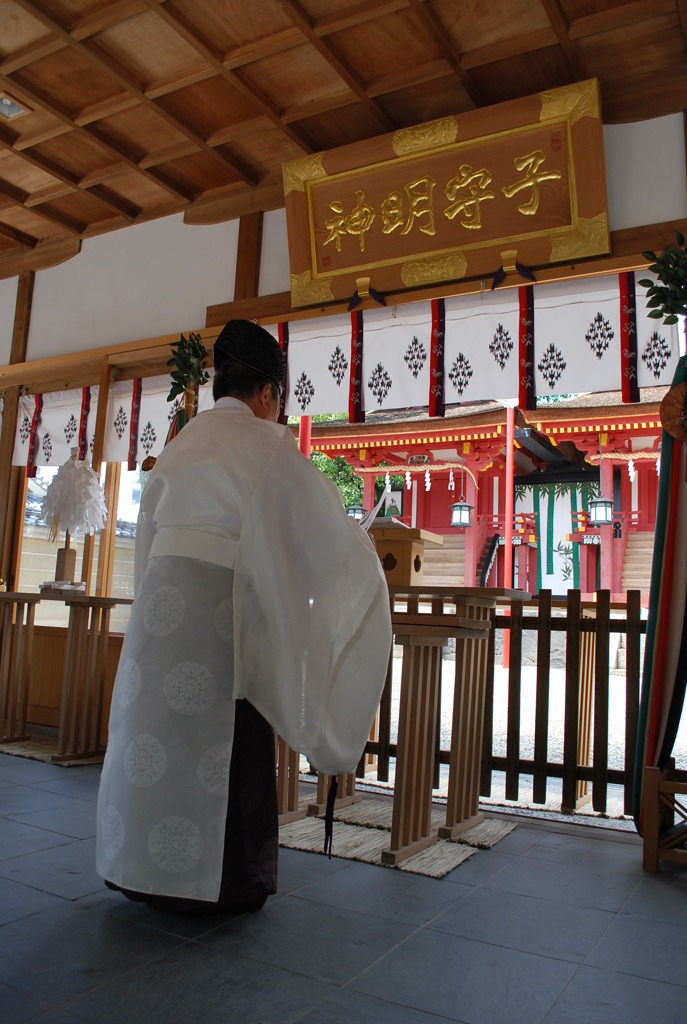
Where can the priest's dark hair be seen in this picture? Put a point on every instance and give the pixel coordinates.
(246, 358)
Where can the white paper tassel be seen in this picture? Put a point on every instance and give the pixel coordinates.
(387, 484)
(631, 470)
(408, 480)
(451, 481)
(73, 501)
(428, 482)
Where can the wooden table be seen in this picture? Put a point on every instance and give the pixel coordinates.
(464, 613)
(83, 682)
(16, 624)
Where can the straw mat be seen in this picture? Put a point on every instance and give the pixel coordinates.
(362, 832)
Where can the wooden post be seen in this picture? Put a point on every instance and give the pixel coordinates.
(96, 463)
(9, 476)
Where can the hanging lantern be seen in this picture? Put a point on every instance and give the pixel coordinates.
(461, 512)
(355, 511)
(600, 511)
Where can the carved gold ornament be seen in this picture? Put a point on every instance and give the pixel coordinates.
(436, 268)
(425, 136)
(297, 172)
(306, 292)
(589, 236)
(571, 102)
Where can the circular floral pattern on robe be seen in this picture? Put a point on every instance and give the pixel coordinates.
(164, 611)
(128, 685)
(190, 688)
(111, 832)
(145, 761)
(213, 769)
(224, 620)
(175, 844)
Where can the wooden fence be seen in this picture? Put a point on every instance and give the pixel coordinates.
(588, 628)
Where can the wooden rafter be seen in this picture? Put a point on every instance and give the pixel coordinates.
(184, 28)
(328, 52)
(127, 81)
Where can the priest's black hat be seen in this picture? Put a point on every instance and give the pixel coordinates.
(253, 346)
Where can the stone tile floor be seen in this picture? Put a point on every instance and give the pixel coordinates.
(557, 923)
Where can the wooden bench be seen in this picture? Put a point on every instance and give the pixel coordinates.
(665, 817)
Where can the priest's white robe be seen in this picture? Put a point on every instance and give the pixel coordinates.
(251, 582)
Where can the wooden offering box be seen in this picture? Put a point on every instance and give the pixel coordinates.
(402, 551)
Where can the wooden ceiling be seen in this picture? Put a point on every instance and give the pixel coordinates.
(137, 109)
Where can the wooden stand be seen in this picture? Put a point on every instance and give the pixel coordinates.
(287, 760)
(83, 683)
(18, 611)
(664, 839)
(402, 552)
(417, 731)
(346, 793)
(462, 804)
(464, 613)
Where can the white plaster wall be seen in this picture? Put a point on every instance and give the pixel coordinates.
(139, 282)
(274, 264)
(645, 171)
(8, 301)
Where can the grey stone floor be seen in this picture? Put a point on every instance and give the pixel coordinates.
(557, 923)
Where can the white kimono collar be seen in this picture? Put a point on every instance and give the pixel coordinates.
(233, 403)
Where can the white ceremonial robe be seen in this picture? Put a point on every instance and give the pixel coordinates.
(251, 582)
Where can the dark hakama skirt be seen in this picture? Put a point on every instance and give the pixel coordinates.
(251, 838)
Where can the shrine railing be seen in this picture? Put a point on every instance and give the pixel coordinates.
(566, 771)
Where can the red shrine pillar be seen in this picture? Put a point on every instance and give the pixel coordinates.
(606, 553)
(369, 491)
(305, 435)
(471, 556)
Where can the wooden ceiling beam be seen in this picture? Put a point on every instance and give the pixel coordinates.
(426, 16)
(682, 15)
(192, 75)
(559, 24)
(105, 108)
(106, 17)
(259, 49)
(408, 79)
(106, 62)
(617, 18)
(20, 238)
(511, 47)
(187, 31)
(357, 14)
(30, 54)
(327, 51)
(93, 133)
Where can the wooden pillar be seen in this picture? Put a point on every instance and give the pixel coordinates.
(249, 250)
(9, 475)
(97, 461)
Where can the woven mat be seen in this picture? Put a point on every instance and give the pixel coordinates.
(42, 748)
(354, 842)
(374, 813)
(362, 832)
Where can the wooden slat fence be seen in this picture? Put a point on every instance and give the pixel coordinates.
(588, 627)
